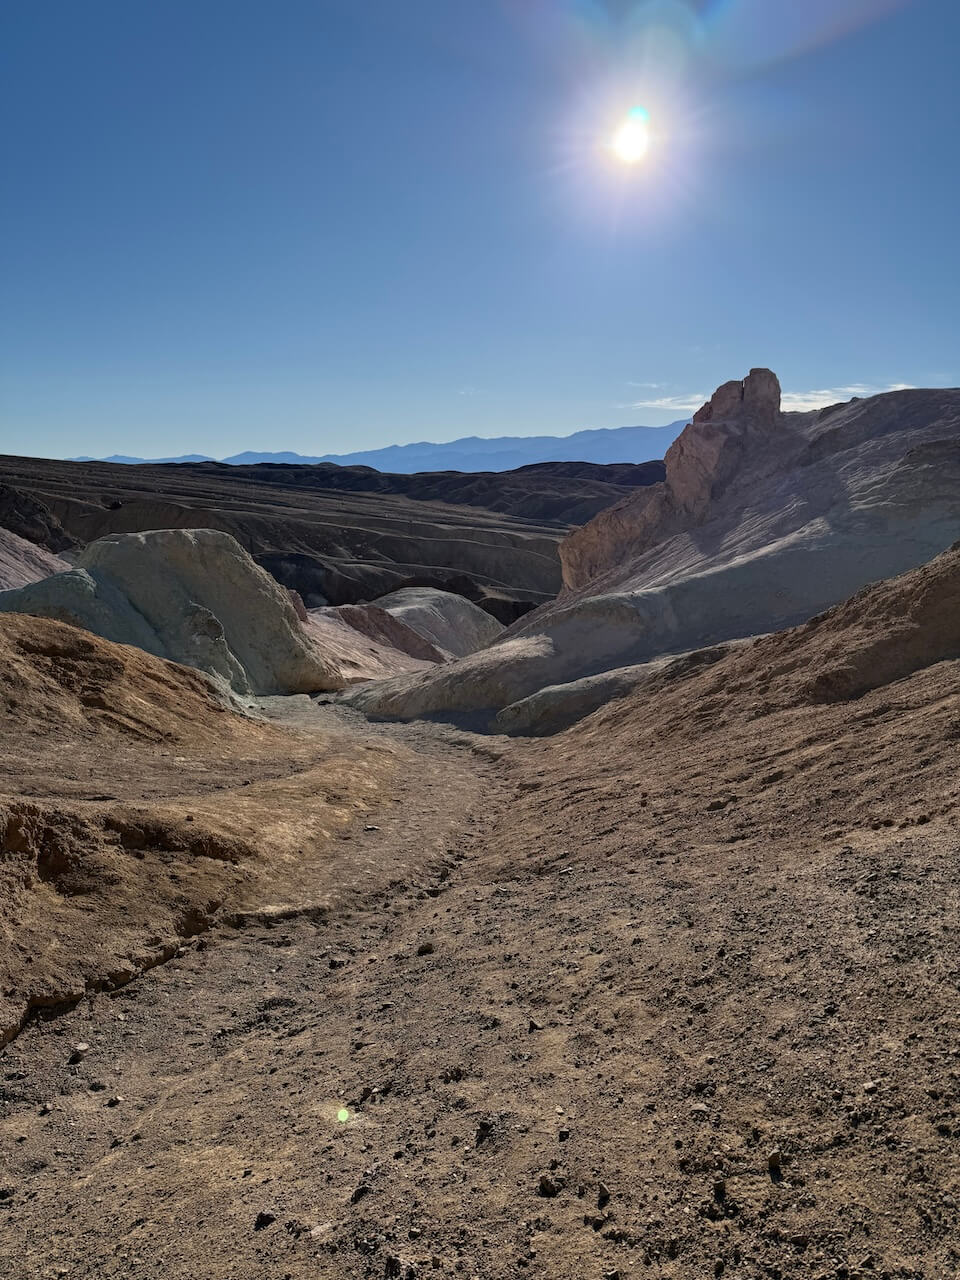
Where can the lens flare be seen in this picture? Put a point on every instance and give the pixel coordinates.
(631, 142)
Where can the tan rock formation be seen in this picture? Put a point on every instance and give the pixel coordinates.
(700, 465)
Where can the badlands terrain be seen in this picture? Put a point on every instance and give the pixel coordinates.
(367, 937)
(338, 535)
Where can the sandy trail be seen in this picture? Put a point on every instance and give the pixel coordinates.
(573, 1042)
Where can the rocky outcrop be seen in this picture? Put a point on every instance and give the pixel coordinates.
(739, 418)
(365, 643)
(23, 562)
(192, 596)
(26, 516)
(765, 519)
(379, 625)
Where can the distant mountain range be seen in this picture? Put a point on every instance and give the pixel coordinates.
(473, 453)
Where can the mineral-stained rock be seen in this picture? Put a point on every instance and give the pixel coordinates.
(190, 595)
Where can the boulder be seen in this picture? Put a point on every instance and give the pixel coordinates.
(193, 596)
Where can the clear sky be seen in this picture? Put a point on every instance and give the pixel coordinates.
(326, 225)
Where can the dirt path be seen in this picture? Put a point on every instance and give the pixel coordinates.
(576, 1045)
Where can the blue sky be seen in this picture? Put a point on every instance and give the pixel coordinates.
(323, 225)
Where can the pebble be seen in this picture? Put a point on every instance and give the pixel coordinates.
(80, 1051)
(425, 949)
(264, 1219)
(773, 1160)
(115, 1100)
(484, 1130)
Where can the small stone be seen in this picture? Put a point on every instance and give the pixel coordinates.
(534, 1025)
(563, 1135)
(115, 1100)
(263, 1219)
(603, 1195)
(484, 1130)
(870, 1086)
(393, 1267)
(773, 1160)
(414, 1233)
(700, 1109)
(425, 949)
(360, 1192)
(46, 1108)
(548, 1186)
(720, 1190)
(80, 1051)
(611, 1275)
(371, 826)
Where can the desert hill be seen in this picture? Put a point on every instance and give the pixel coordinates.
(672, 991)
(136, 807)
(764, 518)
(23, 562)
(343, 535)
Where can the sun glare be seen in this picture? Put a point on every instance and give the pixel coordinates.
(631, 141)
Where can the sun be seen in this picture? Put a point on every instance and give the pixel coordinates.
(631, 142)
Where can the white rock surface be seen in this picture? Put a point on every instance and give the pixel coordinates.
(193, 596)
(450, 622)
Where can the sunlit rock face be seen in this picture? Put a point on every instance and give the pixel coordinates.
(740, 417)
(703, 459)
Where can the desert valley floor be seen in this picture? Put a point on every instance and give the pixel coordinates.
(574, 1007)
(593, 916)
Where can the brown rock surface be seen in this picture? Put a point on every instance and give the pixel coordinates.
(25, 516)
(674, 993)
(136, 809)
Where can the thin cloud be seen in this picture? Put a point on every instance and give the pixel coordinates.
(683, 404)
(792, 401)
(804, 401)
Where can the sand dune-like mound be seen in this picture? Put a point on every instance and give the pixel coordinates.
(192, 596)
(137, 807)
(57, 679)
(23, 562)
(764, 519)
(447, 621)
(365, 648)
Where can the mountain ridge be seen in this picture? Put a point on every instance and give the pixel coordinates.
(468, 453)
